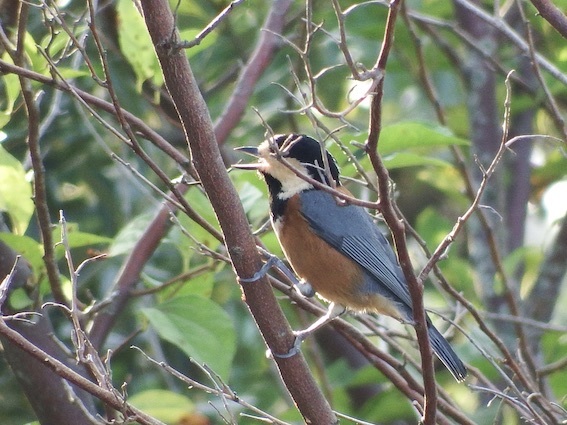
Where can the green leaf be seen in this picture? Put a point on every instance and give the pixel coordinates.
(199, 327)
(530, 259)
(201, 285)
(15, 192)
(167, 406)
(409, 135)
(38, 61)
(129, 235)
(70, 73)
(252, 198)
(408, 159)
(207, 42)
(77, 239)
(136, 45)
(432, 226)
(28, 248)
(19, 300)
(11, 91)
(201, 204)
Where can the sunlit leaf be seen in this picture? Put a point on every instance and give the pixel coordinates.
(167, 406)
(251, 198)
(127, 237)
(408, 159)
(529, 259)
(77, 239)
(432, 226)
(11, 90)
(15, 192)
(207, 42)
(70, 73)
(38, 61)
(199, 327)
(136, 44)
(27, 247)
(410, 134)
(19, 300)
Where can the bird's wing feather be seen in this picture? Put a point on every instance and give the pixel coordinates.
(351, 231)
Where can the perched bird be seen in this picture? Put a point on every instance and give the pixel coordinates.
(334, 246)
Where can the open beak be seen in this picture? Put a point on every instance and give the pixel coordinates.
(249, 150)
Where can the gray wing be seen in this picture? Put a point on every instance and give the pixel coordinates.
(350, 230)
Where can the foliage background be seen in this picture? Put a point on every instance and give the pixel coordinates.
(443, 111)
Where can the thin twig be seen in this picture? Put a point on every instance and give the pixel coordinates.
(210, 27)
(499, 24)
(40, 189)
(556, 113)
(111, 398)
(222, 391)
(397, 227)
(255, 66)
(5, 284)
(89, 99)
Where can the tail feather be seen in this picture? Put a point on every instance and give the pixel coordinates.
(446, 354)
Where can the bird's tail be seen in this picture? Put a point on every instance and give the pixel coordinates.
(446, 354)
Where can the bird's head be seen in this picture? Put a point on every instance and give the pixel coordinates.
(279, 156)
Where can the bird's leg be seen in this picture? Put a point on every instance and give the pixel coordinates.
(304, 288)
(301, 286)
(262, 272)
(334, 311)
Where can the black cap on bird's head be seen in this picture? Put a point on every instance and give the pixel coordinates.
(300, 151)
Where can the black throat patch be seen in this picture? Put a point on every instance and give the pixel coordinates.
(277, 205)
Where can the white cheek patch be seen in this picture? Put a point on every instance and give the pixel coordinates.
(291, 183)
(293, 187)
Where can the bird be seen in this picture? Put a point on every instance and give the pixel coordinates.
(331, 244)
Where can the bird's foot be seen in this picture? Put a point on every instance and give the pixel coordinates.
(299, 337)
(262, 272)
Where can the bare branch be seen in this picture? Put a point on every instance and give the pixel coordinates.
(137, 123)
(397, 227)
(504, 28)
(111, 398)
(223, 391)
(210, 27)
(40, 190)
(258, 62)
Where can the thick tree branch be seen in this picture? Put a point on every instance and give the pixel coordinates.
(62, 403)
(552, 14)
(241, 246)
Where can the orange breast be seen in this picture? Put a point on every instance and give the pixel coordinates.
(334, 276)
